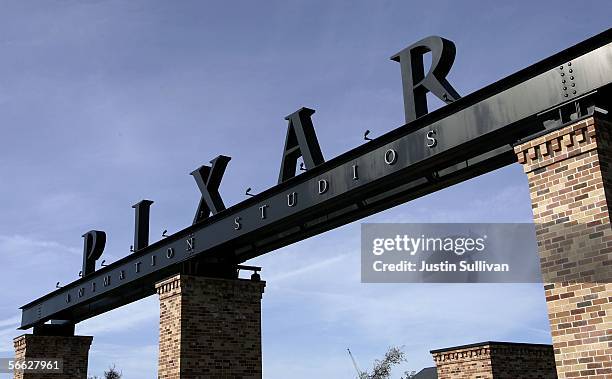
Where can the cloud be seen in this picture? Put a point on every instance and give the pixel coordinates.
(10, 321)
(35, 265)
(8, 332)
(31, 265)
(306, 269)
(121, 320)
(13, 245)
(314, 295)
(133, 361)
(381, 312)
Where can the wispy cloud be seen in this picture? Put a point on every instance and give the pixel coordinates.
(10, 321)
(8, 332)
(34, 265)
(291, 273)
(124, 319)
(15, 245)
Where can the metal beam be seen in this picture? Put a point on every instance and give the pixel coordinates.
(467, 138)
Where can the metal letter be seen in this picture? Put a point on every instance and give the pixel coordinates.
(237, 224)
(208, 179)
(416, 83)
(190, 243)
(301, 141)
(170, 253)
(292, 199)
(390, 157)
(431, 139)
(94, 242)
(141, 227)
(263, 211)
(323, 186)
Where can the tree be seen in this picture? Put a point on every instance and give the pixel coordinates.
(112, 373)
(382, 368)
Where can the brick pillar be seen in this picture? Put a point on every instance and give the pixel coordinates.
(73, 350)
(570, 182)
(209, 328)
(496, 360)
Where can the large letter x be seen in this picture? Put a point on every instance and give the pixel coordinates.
(208, 179)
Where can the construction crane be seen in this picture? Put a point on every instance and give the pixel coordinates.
(354, 363)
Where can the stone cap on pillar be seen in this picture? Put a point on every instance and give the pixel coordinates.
(559, 144)
(489, 344)
(23, 341)
(183, 284)
(497, 359)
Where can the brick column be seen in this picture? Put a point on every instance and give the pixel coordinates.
(570, 181)
(73, 350)
(496, 360)
(209, 328)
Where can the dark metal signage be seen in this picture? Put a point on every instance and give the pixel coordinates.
(416, 83)
(469, 136)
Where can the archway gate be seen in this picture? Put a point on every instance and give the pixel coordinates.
(550, 116)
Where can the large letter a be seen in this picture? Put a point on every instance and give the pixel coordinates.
(302, 142)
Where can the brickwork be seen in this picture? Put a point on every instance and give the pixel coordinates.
(496, 360)
(466, 363)
(73, 350)
(209, 328)
(570, 182)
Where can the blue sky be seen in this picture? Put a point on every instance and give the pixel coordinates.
(104, 103)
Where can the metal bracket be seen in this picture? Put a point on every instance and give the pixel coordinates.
(55, 328)
(567, 75)
(254, 276)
